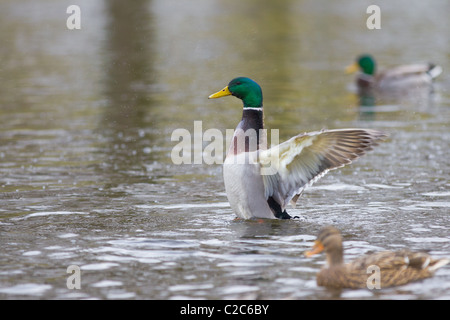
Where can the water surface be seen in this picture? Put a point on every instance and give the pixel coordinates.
(86, 118)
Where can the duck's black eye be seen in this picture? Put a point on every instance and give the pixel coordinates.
(238, 82)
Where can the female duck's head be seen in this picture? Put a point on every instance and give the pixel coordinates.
(329, 240)
(366, 63)
(243, 88)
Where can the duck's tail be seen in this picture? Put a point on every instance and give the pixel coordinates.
(438, 264)
(434, 70)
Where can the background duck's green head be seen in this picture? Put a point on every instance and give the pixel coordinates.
(365, 63)
(243, 88)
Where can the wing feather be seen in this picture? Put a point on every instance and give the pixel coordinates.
(305, 158)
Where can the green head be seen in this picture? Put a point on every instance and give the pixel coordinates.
(245, 89)
(365, 63)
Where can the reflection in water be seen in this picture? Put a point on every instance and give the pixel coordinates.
(254, 229)
(371, 102)
(127, 122)
(128, 67)
(367, 108)
(85, 123)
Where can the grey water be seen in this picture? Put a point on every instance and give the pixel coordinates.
(86, 119)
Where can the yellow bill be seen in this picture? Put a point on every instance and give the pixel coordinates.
(352, 68)
(222, 93)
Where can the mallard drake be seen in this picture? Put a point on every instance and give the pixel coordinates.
(394, 268)
(260, 182)
(400, 79)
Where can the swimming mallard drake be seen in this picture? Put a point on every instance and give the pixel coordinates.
(394, 268)
(260, 182)
(401, 79)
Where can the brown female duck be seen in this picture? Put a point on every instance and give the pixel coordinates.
(394, 268)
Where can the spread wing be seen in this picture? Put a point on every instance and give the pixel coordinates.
(287, 169)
